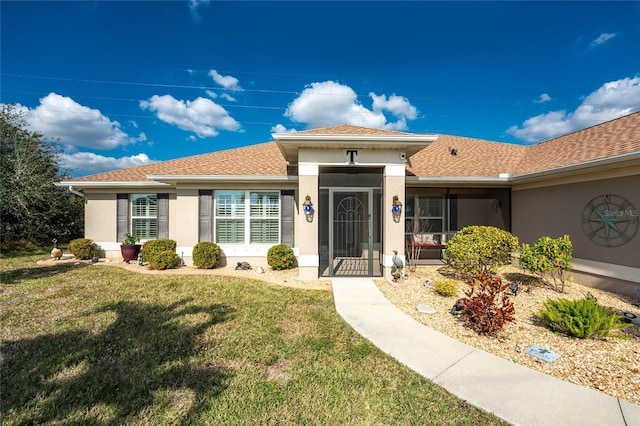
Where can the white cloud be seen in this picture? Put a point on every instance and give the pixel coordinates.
(194, 5)
(329, 103)
(60, 117)
(612, 100)
(226, 81)
(93, 163)
(280, 128)
(603, 38)
(544, 97)
(201, 116)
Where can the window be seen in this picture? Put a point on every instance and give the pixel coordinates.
(144, 215)
(424, 214)
(247, 217)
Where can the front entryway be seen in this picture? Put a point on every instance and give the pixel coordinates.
(350, 228)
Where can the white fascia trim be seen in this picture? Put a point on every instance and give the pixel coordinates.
(620, 272)
(219, 178)
(397, 170)
(503, 178)
(112, 184)
(308, 260)
(616, 159)
(308, 169)
(297, 137)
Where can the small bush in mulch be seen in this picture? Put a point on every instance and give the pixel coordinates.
(280, 257)
(206, 255)
(83, 248)
(487, 307)
(582, 318)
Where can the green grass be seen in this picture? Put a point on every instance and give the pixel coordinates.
(103, 346)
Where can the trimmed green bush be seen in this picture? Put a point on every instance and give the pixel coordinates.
(206, 255)
(153, 247)
(446, 287)
(480, 249)
(167, 259)
(83, 248)
(549, 259)
(582, 318)
(280, 257)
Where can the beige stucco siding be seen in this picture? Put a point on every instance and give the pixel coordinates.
(557, 210)
(100, 216)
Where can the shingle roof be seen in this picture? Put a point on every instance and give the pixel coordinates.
(262, 159)
(475, 157)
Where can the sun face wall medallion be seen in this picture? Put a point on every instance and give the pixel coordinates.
(610, 221)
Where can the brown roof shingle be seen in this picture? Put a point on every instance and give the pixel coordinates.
(475, 157)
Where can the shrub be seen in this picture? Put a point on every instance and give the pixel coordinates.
(167, 259)
(480, 249)
(447, 287)
(486, 306)
(280, 257)
(206, 255)
(582, 318)
(83, 248)
(549, 259)
(153, 247)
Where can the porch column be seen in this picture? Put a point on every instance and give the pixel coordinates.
(393, 232)
(307, 232)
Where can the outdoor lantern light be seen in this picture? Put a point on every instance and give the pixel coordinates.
(396, 209)
(307, 206)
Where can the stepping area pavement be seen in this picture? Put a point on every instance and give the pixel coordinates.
(516, 394)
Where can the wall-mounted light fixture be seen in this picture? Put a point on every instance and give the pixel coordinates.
(307, 207)
(396, 209)
(495, 205)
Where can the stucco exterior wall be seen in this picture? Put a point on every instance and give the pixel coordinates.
(100, 217)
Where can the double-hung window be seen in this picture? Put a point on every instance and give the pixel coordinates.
(247, 217)
(144, 215)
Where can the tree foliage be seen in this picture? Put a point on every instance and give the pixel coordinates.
(32, 208)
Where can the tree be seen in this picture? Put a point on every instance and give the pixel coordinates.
(32, 208)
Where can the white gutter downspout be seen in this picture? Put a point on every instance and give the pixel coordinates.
(75, 191)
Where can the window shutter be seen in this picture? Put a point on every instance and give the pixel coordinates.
(287, 217)
(205, 211)
(163, 215)
(122, 224)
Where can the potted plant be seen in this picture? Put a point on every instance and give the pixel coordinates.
(130, 247)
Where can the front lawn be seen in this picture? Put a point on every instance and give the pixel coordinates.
(86, 344)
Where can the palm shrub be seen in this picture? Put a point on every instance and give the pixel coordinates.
(280, 257)
(480, 249)
(582, 318)
(83, 248)
(487, 307)
(550, 259)
(206, 255)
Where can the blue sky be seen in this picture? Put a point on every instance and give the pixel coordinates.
(127, 83)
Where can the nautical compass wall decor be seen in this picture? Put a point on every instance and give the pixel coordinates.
(610, 220)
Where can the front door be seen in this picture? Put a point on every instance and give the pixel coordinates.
(351, 245)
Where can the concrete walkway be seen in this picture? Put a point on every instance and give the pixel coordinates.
(517, 394)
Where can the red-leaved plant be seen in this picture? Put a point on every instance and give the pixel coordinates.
(487, 307)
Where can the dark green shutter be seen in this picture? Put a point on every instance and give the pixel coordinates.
(287, 217)
(122, 212)
(205, 211)
(163, 215)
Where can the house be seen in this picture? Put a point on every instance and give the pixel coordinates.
(345, 197)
